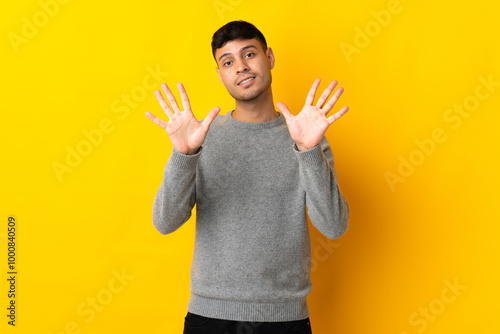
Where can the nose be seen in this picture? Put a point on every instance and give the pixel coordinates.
(242, 67)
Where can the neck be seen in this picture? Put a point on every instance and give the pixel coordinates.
(257, 110)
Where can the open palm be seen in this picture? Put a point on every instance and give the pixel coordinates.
(308, 128)
(186, 133)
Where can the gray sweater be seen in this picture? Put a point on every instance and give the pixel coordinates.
(251, 186)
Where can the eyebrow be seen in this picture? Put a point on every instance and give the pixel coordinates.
(240, 50)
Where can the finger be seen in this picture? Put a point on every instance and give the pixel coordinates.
(163, 104)
(337, 115)
(184, 98)
(284, 110)
(210, 117)
(312, 92)
(157, 120)
(333, 100)
(170, 98)
(322, 99)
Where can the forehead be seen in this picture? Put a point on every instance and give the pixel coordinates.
(235, 46)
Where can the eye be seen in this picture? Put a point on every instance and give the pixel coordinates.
(250, 54)
(227, 63)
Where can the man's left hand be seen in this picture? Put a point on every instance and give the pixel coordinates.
(308, 128)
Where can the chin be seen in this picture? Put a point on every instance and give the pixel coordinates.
(249, 96)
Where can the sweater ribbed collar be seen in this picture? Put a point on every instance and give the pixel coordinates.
(248, 125)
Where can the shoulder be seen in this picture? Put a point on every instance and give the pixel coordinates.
(219, 128)
(220, 120)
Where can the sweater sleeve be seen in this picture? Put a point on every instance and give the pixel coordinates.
(326, 206)
(176, 196)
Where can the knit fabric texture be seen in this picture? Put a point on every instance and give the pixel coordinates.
(252, 189)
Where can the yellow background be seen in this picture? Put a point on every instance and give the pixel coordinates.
(404, 242)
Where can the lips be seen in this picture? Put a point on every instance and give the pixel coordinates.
(246, 80)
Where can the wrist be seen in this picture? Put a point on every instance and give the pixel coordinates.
(188, 151)
(301, 148)
(192, 152)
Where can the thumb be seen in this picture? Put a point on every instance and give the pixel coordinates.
(284, 110)
(210, 117)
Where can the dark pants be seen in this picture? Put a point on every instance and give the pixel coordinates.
(197, 324)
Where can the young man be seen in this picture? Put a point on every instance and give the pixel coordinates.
(251, 173)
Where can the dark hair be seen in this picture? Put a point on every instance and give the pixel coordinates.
(236, 30)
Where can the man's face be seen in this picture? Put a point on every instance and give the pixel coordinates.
(244, 68)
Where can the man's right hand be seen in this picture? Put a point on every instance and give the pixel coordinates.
(185, 131)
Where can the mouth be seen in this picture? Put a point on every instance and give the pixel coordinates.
(246, 81)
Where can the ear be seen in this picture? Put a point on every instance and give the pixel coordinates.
(270, 57)
(218, 72)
